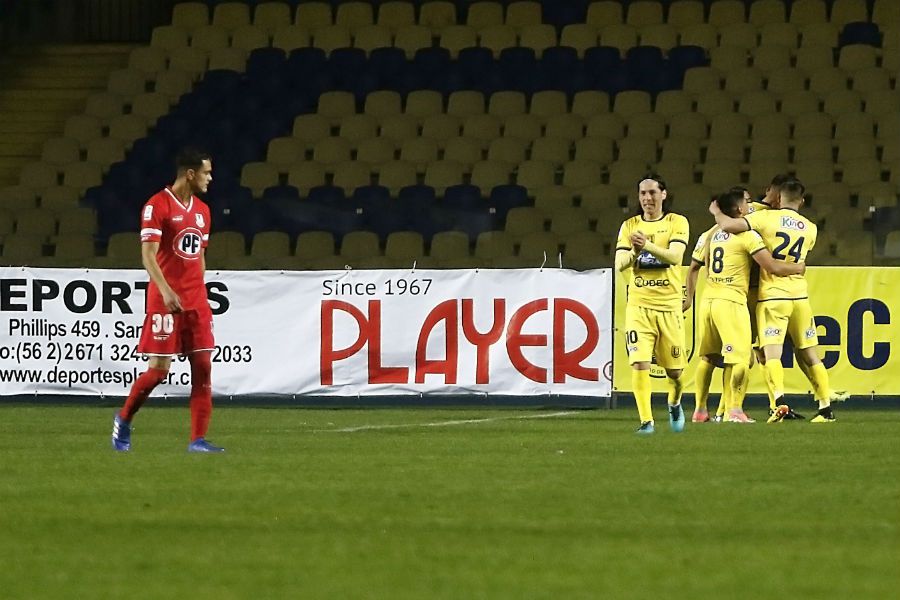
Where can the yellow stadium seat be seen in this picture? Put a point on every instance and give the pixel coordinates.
(354, 16)
(168, 37)
(548, 103)
(551, 149)
(399, 128)
(848, 11)
(82, 175)
(768, 58)
(729, 126)
(313, 15)
(437, 15)
(376, 150)
(742, 81)
(352, 174)
(524, 127)
(888, 126)
(807, 12)
(587, 103)
(861, 171)
(537, 37)
(441, 128)
(785, 82)
(779, 34)
(370, 37)
(683, 13)
(580, 36)
(663, 36)
(447, 245)
(483, 14)
(147, 60)
(758, 102)
(588, 250)
(878, 194)
(523, 13)
(396, 174)
(464, 150)
(566, 126)
(173, 83)
(678, 148)
(310, 129)
(508, 149)
(726, 58)
(721, 174)
(725, 149)
(105, 152)
(625, 174)
(61, 151)
(190, 15)
(497, 37)
(22, 250)
(524, 219)
(331, 38)
(396, 15)
(456, 37)
(35, 222)
(771, 149)
(231, 59)
(405, 246)
(291, 37)
(857, 56)
(886, 13)
(487, 174)
(535, 174)
(767, 11)
(553, 198)
(819, 35)
(643, 13)
(231, 15)
(38, 175)
(872, 79)
(798, 104)
(702, 80)
(271, 16)
(741, 35)
(336, 105)
(209, 37)
(332, 150)
(442, 174)
(127, 128)
(607, 125)
(703, 35)
(465, 103)
(578, 174)
(851, 125)
(249, 37)
(73, 250)
(383, 103)
(604, 12)
(504, 104)
(814, 58)
(356, 128)
(622, 37)
(104, 105)
(826, 80)
(419, 151)
(631, 102)
(82, 128)
(150, 106)
(493, 246)
(258, 176)
(813, 148)
(424, 103)
(840, 102)
(596, 148)
(770, 126)
(269, 247)
(306, 175)
(726, 12)
(678, 172)
(284, 151)
(484, 128)
(569, 221)
(312, 245)
(55, 199)
(856, 148)
(360, 244)
(635, 148)
(814, 173)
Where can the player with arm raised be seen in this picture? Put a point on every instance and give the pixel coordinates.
(783, 307)
(178, 320)
(649, 249)
(724, 319)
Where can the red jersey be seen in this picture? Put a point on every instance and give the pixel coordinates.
(183, 234)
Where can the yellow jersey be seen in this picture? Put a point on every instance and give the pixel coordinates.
(653, 283)
(789, 236)
(730, 262)
(752, 207)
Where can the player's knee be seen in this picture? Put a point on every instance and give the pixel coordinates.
(674, 373)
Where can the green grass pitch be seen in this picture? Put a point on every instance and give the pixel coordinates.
(312, 503)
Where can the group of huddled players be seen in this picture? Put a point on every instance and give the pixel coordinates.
(755, 260)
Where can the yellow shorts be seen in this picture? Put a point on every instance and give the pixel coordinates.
(724, 328)
(775, 318)
(655, 333)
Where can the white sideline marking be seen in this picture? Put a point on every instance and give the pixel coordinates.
(447, 423)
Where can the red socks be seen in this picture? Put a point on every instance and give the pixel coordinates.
(201, 394)
(141, 389)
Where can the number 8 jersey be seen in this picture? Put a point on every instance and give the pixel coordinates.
(789, 236)
(183, 234)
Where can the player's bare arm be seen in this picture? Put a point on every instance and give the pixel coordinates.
(691, 284)
(780, 268)
(726, 223)
(148, 257)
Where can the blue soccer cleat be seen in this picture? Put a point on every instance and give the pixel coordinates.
(201, 445)
(676, 418)
(121, 434)
(646, 428)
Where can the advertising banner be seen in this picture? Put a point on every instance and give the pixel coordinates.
(342, 333)
(855, 311)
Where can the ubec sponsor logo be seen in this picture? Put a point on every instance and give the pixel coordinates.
(641, 282)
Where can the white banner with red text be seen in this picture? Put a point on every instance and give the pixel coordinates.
(334, 333)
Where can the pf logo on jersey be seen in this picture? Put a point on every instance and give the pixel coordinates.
(188, 243)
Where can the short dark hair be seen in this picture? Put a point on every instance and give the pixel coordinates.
(191, 158)
(728, 201)
(793, 188)
(779, 180)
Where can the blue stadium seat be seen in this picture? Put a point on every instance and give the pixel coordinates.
(463, 197)
(683, 58)
(860, 33)
(517, 66)
(505, 197)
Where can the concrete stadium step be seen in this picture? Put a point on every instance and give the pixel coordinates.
(10, 168)
(46, 125)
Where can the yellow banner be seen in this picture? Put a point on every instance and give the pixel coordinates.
(858, 342)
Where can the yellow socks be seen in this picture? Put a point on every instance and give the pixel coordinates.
(775, 378)
(725, 398)
(702, 379)
(818, 377)
(675, 389)
(740, 374)
(769, 389)
(640, 385)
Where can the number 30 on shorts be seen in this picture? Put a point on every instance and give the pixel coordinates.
(162, 324)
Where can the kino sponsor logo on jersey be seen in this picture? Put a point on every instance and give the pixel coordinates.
(721, 236)
(772, 331)
(188, 243)
(792, 223)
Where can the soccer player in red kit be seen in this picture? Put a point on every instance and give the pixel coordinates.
(174, 235)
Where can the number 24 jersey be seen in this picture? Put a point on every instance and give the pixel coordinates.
(789, 236)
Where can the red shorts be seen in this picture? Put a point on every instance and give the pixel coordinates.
(168, 334)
